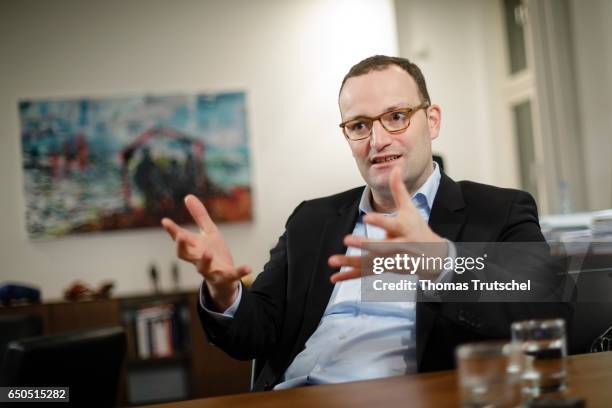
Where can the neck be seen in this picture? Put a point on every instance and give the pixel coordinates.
(382, 202)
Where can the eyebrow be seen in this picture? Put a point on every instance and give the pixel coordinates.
(388, 109)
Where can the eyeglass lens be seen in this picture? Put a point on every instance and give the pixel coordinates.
(392, 121)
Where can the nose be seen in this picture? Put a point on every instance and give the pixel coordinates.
(380, 138)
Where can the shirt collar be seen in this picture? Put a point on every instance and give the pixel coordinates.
(427, 190)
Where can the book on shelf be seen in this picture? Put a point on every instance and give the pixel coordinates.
(158, 331)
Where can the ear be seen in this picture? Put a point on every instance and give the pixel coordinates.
(434, 119)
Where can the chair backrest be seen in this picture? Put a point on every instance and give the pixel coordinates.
(591, 319)
(593, 306)
(88, 362)
(439, 160)
(603, 342)
(15, 327)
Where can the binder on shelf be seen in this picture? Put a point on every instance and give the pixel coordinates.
(158, 333)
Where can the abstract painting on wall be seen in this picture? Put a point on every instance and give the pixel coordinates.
(98, 164)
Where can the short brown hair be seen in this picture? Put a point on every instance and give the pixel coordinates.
(382, 62)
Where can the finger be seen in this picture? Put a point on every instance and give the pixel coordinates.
(186, 246)
(338, 261)
(171, 227)
(398, 189)
(182, 250)
(204, 263)
(355, 241)
(236, 274)
(389, 224)
(199, 213)
(345, 275)
(400, 194)
(241, 271)
(189, 237)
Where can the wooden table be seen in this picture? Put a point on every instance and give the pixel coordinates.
(590, 377)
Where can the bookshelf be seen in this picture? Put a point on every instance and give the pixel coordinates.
(158, 348)
(173, 360)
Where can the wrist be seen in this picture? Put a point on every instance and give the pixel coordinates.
(223, 296)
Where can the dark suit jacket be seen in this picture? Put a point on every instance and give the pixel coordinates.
(285, 304)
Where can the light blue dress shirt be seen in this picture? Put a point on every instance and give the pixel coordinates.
(358, 340)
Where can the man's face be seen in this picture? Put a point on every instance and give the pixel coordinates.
(377, 92)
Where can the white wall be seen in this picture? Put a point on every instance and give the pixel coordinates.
(593, 60)
(289, 56)
(459, 47)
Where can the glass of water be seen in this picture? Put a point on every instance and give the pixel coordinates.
(544, 345)
(489, 374)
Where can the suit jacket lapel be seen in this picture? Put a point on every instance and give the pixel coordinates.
(448, 212)
(446, 219)
(337, 225)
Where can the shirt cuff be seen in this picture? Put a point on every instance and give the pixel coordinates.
(228, 313)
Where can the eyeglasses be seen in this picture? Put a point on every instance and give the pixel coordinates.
(393, 121)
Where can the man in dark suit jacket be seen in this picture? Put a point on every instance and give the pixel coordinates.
(389, 123)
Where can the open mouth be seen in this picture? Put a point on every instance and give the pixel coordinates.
(385, 159)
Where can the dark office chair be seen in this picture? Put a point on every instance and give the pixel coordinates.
(593, 307)
(89, 362)
(16, 327)
(603, 343)
(591, 328)
(439, 160)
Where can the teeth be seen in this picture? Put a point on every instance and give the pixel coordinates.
(385, 159)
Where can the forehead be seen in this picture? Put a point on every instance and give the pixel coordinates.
(376, 91)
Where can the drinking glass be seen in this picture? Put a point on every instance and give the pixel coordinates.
(489, 374)
(544, 345)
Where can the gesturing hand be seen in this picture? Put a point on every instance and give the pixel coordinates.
(407, 227)
(209, 253)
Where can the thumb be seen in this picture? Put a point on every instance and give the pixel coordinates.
(398, 190)
(240, 272)
(243, 271)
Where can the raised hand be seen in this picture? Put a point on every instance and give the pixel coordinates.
(407, 227)
(209, 253)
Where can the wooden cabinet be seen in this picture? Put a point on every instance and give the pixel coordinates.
(215, 373)
(83, 315)
(206, 370)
